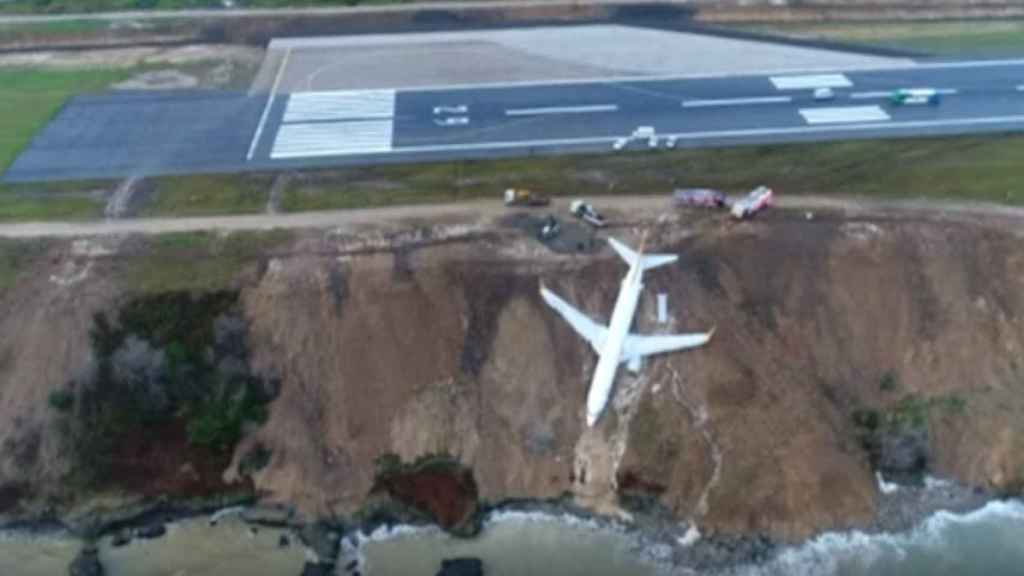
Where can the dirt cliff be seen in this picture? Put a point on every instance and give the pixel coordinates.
(437, 342)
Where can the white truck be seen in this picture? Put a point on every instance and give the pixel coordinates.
(758, 199)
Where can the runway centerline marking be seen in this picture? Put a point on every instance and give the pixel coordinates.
(795, 130)
(736, 101)
(843, 114)
(562, 110)
(871, 95)
(888, 93)
(811, 81)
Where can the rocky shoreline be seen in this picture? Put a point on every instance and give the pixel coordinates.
(667, 543)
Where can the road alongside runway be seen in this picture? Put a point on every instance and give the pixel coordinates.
(149, 134)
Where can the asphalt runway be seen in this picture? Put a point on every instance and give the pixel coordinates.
(124, 134)
(350, 127)
(119, 135)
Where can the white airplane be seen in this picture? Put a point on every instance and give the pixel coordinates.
(613, 343)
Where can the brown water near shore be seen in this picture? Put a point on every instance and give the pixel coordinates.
(32, 555)
(195, 548)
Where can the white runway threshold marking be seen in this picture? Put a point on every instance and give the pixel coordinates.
(736, 101)
(342, 105)
(811, 81)
(562, 110)
(843, 114)
(333, 139)
(339, 123)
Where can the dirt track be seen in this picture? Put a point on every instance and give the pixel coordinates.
(636, 206)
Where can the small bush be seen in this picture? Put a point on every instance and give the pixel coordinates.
(61, 400)
(888, 382)
(867, 419)
(952, 403)
(387, 463)
(254, 460)
(909, 412)
(217, 423)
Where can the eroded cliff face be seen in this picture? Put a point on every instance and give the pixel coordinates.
(447, 348)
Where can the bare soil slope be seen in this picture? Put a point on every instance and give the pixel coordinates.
(435, 341)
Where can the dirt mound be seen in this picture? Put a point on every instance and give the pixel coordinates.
(832, 335)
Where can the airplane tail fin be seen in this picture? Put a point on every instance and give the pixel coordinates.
(647, 262)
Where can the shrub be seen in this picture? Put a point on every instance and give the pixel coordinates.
(217, 423)
(254, 460)
(61, 400)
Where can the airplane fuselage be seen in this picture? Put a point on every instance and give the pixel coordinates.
(611, 353)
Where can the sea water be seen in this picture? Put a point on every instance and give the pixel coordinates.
(988, 541)
(512, 543)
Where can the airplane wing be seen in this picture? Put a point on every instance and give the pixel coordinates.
(646, 261)
(636, 346)
(590, 331)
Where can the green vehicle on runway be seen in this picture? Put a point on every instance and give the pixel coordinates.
(906, 96)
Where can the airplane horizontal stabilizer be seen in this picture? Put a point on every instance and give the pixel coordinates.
(655, 260)
(649, 261)
(625, 252)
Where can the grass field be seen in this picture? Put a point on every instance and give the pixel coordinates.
(984, 168)
(85, 30)
(60, 28)
(200, 261)
(959, 38)
(29, 98)
(88, 6)
(976, 168)
(14, 208)
(205, 195)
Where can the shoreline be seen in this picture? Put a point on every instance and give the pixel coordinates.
(659, 540)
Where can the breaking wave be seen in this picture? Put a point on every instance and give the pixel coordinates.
(985, 541)
(564, 518)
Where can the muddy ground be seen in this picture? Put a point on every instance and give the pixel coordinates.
(429, 337)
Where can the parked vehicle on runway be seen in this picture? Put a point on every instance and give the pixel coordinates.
(824, 94)
(758, 199)
(671, 141)
(704, 197)
(524, 197)
(620, 143)
(646, 133)
(905, 96)
(584, 211)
